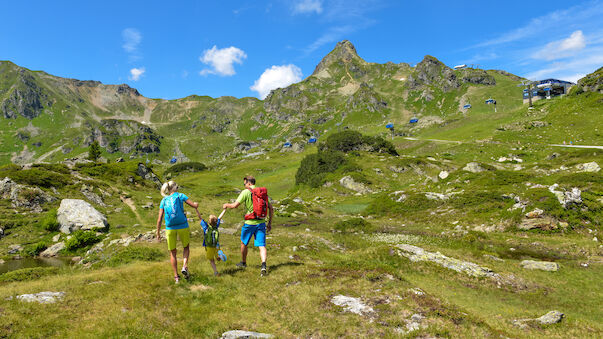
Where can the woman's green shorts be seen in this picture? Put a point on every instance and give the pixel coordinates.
(184, 234)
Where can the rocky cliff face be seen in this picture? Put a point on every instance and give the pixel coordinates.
(343, 53)
(25, 98)
(592, 82)
(125, 136)
(431, 72)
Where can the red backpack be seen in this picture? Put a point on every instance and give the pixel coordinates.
(259, 197)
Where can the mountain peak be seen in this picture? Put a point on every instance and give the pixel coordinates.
(344, 51)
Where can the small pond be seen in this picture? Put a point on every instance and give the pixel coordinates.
(16, 264)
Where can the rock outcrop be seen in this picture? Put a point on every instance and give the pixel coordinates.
(239, 334)
(42, 297)
(53, 250)
(76, 214)
(351, 304)
(349, 183)
(473, 167)
(432, 72)
(25, 97)
(540, 265)
(24, 196)
(551, 317)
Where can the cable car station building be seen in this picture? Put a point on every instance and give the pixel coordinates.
(546, 89)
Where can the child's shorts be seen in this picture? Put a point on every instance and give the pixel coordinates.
(184, 234)
(211, 253)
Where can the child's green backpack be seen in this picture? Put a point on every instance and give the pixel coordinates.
(212, 236)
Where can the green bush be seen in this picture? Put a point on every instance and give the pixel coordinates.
(49, 222)
(354, 225)
(26, 274)
(35, 249)
(415, 203)
(314, 167)
(36, 176)
(80, 239)
(185, 167)
(349, 141)
(135, 253)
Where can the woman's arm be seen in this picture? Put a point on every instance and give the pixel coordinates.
(195, 206)
(159, 223)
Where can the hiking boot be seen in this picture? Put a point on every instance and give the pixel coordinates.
(185, 273)
(242, 264)
(263, 270)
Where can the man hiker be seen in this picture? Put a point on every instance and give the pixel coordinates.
(257, 207)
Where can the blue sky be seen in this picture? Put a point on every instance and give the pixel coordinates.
(246, 48)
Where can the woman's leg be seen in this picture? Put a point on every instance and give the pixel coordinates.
(185, 254)
(174, 261)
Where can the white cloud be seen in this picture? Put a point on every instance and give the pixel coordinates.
(276, 77)
(222, 60)
(132, 39)
(562, 48)
(307, 6)
(570, 69)
(136, 73)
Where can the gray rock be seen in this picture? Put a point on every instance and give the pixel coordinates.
(42, 297)
(416, 254)
(473, 167)
(56, 238)
(24, 196)
(398, 196)
(76, 214)
(537, 213)
(443, 175)
(146, 173)
(545, 223)
(120, 159)
(540, 265)
(351, 304)
(238, 334)
(550, 318)
(436, 196)
(12, 249)
(349, 183)
(53, 250)
(567, 198)
(588, 167)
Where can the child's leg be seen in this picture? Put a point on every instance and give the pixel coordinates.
(213, 265)
(174, 261)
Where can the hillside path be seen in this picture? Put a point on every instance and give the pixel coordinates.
(578, 146)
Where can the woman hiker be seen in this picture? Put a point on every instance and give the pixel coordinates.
(176, 224)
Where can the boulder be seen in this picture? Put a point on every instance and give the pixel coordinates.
(12, 249)
(551, 317)
(349, 183)
(537, 213)
(42, 297)
(147, 174)
(76, 214)
(436, 196)
(53, 250)
(351, 304)
(545, 223)
(567, 198)
(473, 167)
(416, 254)
(540, 265)
(588, 167)
(238, 334)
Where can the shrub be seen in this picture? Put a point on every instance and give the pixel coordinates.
(185, 167)
(26, 274)
(49, 222)
(314, 167)
(135, 253)
(35, 249)
(37, 176)
(354, 225)
(383, 205)
(81, 239)
(349, 141)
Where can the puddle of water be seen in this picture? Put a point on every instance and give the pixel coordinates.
(11, 265)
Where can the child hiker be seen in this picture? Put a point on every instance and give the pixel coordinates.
(211, 241)
(176, 225)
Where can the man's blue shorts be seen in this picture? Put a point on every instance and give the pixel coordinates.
(258, 232)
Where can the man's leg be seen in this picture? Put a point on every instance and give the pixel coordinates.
(263, 253)
(260, 242)
(243, 252)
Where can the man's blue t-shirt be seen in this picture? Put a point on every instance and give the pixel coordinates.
(173, 208)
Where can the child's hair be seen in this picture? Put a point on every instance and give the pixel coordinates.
(169, 188)
(213, 220)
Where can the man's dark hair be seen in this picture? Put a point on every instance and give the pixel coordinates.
(250, 179)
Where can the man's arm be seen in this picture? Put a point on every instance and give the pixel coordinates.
(232, 205)
(271, 215)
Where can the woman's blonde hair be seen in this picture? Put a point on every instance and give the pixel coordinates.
(168, 188)
(213, 220)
